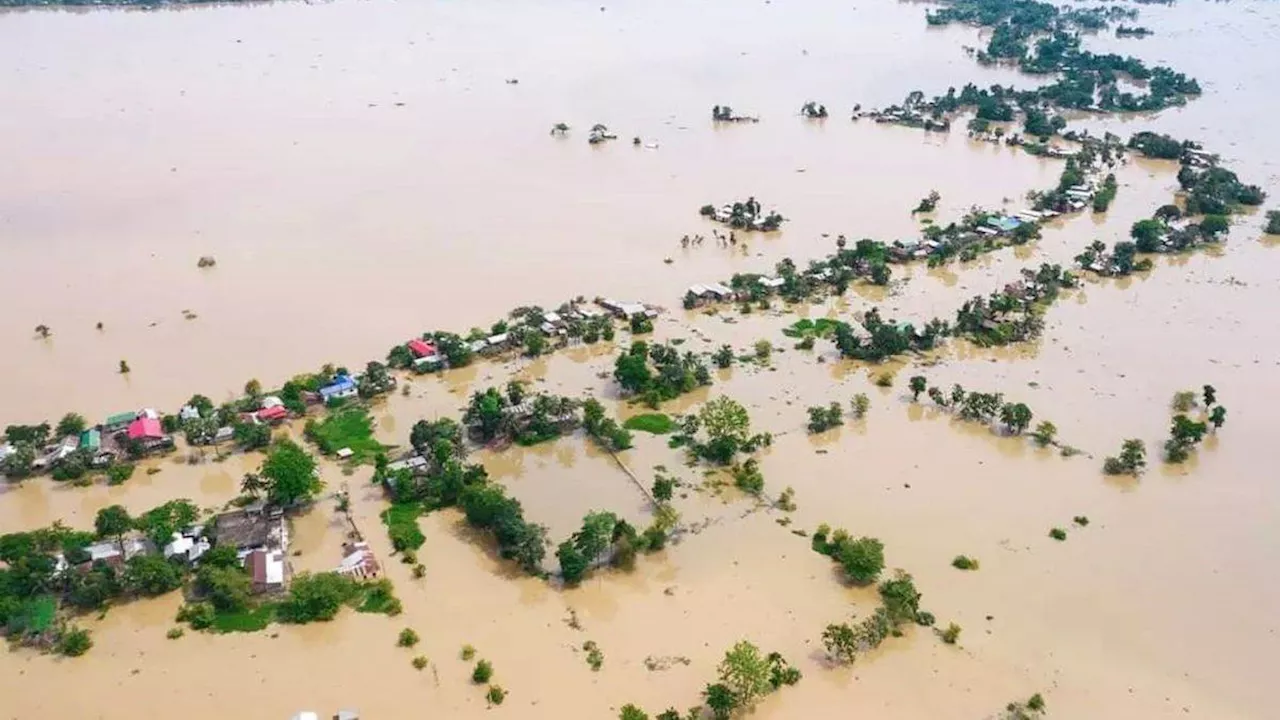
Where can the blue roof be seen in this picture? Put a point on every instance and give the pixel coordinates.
(342, 383)
(1004, 223)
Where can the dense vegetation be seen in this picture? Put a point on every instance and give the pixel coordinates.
(657, 372)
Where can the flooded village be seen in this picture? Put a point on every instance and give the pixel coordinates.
(962, 412)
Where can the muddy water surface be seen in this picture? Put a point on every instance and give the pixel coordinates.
(272, 138)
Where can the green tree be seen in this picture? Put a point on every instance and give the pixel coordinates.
(1210, 396)
(227, 588)
(862, 559)
(573, 564)
(663, 488)
(71, 424)
(918, 384)
(1133, 456)
(720, 700)
(746, 673)
(250, 435)
(1147, 234)
(1045, 433)
(841, 642)
(253, 389)
(631, 712)
(1016, 417)
(631, 370)
(252, 485)
(482, 673)
(317, 596)
(291, 472)
(113, 521)
(1218, 416)
(151, 575)
(728, 427)
(1214, 225)
(723, 357)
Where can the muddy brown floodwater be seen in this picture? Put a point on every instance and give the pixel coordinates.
(362, 172)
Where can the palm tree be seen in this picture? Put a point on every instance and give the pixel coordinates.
(252, 485)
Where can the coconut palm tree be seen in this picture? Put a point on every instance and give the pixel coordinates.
(252, 485)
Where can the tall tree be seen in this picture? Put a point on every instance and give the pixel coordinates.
(113, 521)
(291, 472)
(745, 671)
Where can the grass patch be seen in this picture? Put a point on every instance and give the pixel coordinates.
(653, 423)
(347, 428)
(401, 520)
(251, 620)
(822, 327)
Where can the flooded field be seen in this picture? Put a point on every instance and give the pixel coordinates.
(362, 172)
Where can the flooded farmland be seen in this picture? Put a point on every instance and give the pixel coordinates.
(363, 171)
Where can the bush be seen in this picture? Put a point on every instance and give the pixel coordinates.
(884, 380)
(1058, 534)
(951, 634)
(419, 571)
(73, 642)
(1080, 520)
(482, 672)
(174, 633)
(468, 652)
(199, 615)
(496, 694)
(964, 562)
(118, 473)
(595, 658)
(748, 478)
(420, 662)
(408, 638)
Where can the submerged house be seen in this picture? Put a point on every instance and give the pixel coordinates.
(358, 561)
(341, 387)
(266, 570)
(147, 433)
(119, 421)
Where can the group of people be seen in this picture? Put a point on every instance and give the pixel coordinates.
(721, 239)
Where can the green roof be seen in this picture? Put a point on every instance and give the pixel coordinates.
(121, 418)
(91, 439)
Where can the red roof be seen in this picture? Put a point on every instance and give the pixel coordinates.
(421, 348)
(145, 428)
(277, 412)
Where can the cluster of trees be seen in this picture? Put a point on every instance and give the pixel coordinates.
(657, 372)
(861, 558)
(607, 539)
(1158, 145)
(493, 415)
(885, 339)
(1106, 194)
(1042, 39)
(1013, 314)
(746, 676)
(977, 406)
(1120, 262)
(603, 429)
(721, 430)
(1131, 461)
(928, 203)
(825, 418)
(487, 507)
(900, 604)
(1216, 190)
(1185, 433)
(34, 582)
